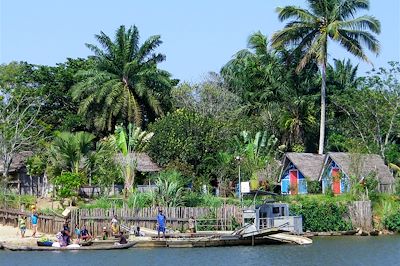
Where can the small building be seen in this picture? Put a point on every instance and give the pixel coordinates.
(142, 160)
(19, 181)
(273, 215)
(297, 170)
(338, 167)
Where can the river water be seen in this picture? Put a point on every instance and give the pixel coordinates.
(326, 251)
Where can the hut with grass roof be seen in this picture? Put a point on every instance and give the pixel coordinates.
(299, 169)
(339, 168)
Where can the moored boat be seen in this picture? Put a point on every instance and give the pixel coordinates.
(44, 248)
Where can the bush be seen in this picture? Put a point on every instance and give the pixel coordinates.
(67, 184)
(322, 216)
(392, 222)
(140, 200)
(104, 203)
(314, 187)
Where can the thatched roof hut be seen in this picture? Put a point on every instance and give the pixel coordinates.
(361, 165)
(144, 162)
(18, 162)
(309, 164)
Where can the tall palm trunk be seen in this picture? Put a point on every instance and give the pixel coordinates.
(323, 107)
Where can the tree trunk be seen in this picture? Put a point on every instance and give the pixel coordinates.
(323, 107)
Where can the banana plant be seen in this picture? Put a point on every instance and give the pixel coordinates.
(128, 142)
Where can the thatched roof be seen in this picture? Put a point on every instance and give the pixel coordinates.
(309, 164)
(362, 164)
(17, 162)
(144, 162)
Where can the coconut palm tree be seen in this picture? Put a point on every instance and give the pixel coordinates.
(310, 30)
(125, 84)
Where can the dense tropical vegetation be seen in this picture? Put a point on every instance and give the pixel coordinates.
(84, 118)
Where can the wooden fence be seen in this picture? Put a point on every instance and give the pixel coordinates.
(223, 218)
(46, 223)
(361, 214)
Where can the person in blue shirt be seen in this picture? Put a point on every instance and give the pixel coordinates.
(161, 221)
(77, 231)
(34, 221)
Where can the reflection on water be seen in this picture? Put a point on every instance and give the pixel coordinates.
(324, 251)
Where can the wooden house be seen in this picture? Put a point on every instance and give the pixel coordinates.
(297, 169)
(338, 167)
(19, 181)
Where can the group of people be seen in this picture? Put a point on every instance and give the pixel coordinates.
(34, 223)
(64, 236)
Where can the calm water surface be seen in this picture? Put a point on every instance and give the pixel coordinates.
(324, 251)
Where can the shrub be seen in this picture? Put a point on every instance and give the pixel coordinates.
(322, 216)
(392, 222)
(314, 187)
(67, 184)
(140, 200)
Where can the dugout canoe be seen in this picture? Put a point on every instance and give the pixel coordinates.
(36, 248)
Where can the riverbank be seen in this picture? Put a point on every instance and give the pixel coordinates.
(11, 235)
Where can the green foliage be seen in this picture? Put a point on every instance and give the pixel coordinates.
(209, 98)
(36, 165)
(170, 189)
(314, 187)
(13, 200)
(104, 203)
(322, 215)
(392, 222)
(67, 184)
(141, 200)
(188, 138)
(257, 152)
(310, 30)
(128, 142)
(125, 85)
(68, 150)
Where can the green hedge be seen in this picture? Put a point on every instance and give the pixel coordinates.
(322, 216)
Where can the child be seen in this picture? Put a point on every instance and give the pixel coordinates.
(77, 231)
(22, 225)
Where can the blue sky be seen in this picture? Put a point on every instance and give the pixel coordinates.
(198, 36)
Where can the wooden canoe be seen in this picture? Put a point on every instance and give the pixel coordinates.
(97, 247)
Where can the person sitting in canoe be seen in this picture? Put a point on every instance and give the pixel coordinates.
(66, 232)
(85, 234)
(122, 239)
(60, 240)
(105, 233)
(115, 226)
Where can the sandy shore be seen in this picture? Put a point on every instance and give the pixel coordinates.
(12, 235)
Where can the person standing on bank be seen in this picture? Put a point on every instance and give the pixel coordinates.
(192, 224)
(161, 222)
(34, 221)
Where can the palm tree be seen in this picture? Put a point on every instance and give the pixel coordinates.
(310, 30)
(125, 84)
(342, 75)
(70, 151)
(253, 74)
